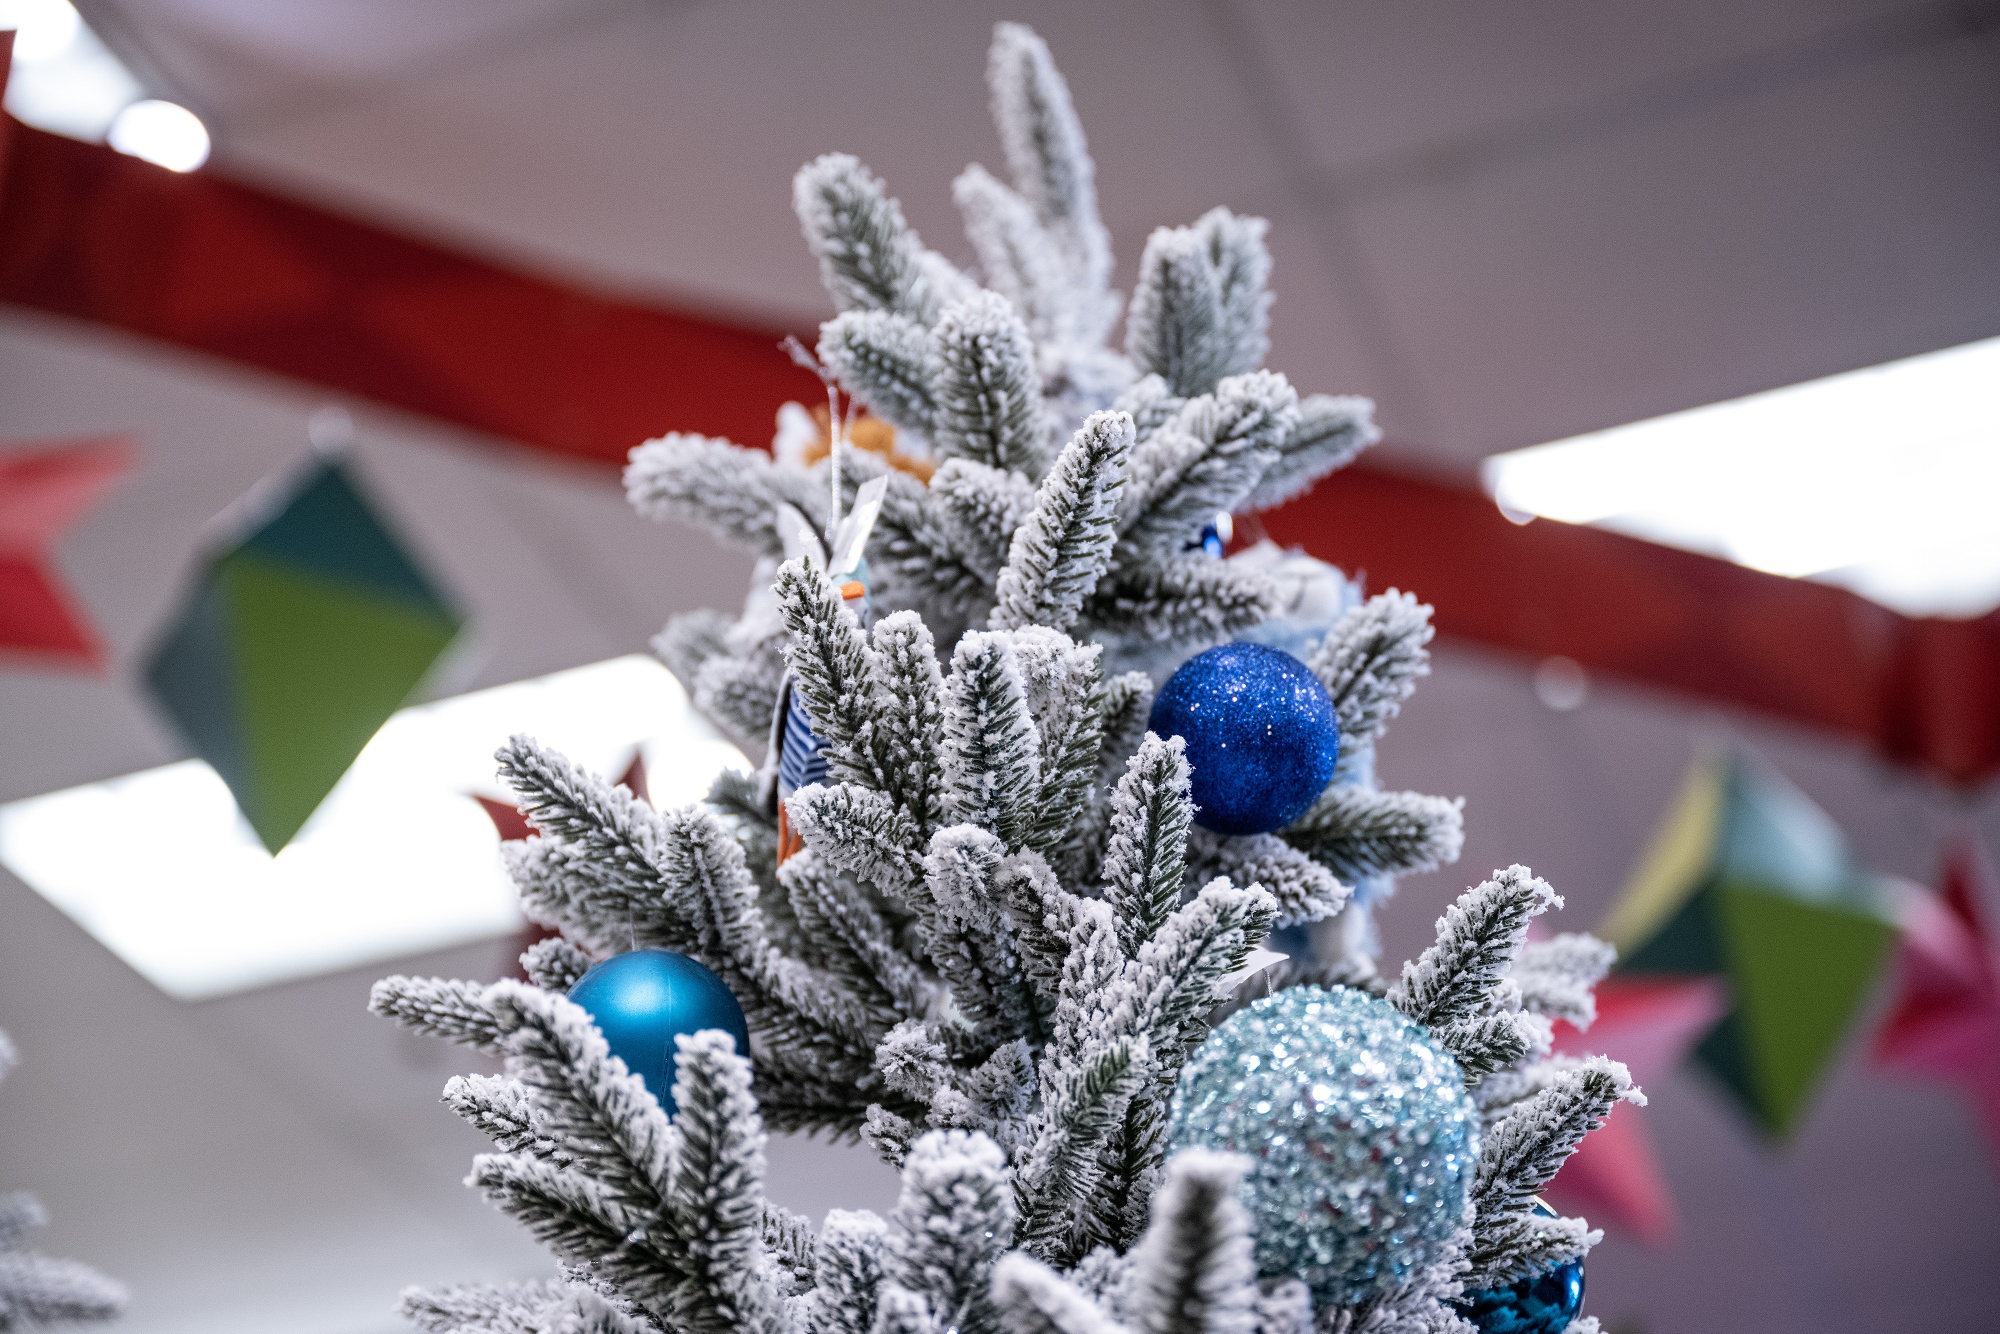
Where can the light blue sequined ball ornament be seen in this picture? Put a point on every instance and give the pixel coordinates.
(1261, 735)
(1362, 1137)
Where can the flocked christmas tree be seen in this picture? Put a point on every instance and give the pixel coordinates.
(37, 1290)
(990, 902)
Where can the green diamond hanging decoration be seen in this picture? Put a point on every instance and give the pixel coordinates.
(1746, 879)
(297, 641)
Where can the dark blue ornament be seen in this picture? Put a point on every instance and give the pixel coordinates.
(1215, 536)
(642, 1001)
(1261, 735)
(1543, 1303)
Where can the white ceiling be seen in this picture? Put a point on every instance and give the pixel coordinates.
(1509, 222)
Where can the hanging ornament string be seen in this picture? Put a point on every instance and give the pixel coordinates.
(837, 425)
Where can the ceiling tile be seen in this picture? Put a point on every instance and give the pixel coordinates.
(658, 149)
(1372, 81)
(1776, 239)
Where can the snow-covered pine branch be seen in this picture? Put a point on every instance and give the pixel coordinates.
(1329, 432)
(1065, 692)
(861, 831)
(1034, 1299)
(844, 933)
(883, 359)
(869, 258)
(732, 492)
(990, 750)
(691, 639)
(1017, 256)
(1192, 1271)
(1145, 860)
(1050, 162)
(581, 1310)
(1059, 554)
(953, 1221)
(1206, 459)
(828, 655)
(1357, 832)
(597, 1114)
(1371, 660)
(716, 1197)
(498, 1109)
(986, 390)
(37, 1289)
(979, 507)
(921, 561)
(1521, 1152)
(554, 964)
(1558, 977)
(848, 1264)
(1458, 988)
(1303, 890)
(1201, 310)
(482, 1308)
(618, 834)
(1189, 601)
(438, 1007)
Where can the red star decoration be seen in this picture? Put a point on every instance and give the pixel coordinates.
(1945, 1022)
(1649, 1024)
(43, 489)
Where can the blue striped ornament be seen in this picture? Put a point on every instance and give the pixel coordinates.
(801, 755)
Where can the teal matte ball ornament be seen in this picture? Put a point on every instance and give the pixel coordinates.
(1543, 1303)
(1362, 1139)
(1261, 735)
(642, 1001)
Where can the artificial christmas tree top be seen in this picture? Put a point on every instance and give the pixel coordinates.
(988, 937)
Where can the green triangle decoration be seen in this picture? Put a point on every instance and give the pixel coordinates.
(301, 635)
(1747, 880)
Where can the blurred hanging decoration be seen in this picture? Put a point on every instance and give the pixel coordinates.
(1748, 881)
(44, 489)
(1649, 1023)
(805, 437)
(304, 629)
(1945, 1024)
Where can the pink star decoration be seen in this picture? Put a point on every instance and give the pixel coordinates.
(43, 489)
(1944, 1025)
(1649, 1023)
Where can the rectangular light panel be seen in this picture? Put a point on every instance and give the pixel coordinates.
(163, 870)
(1885, 481)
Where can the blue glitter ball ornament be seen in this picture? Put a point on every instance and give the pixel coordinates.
(642, 1001)
(1543, 1303)
(1260, 731)
(1362, 1137)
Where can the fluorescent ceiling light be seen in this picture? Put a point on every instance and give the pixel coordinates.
(163, 870)
(64, 80)
(1885, 481)
(162, 133)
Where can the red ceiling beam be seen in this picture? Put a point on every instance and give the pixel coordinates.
(201, 262)
(1920, 691)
